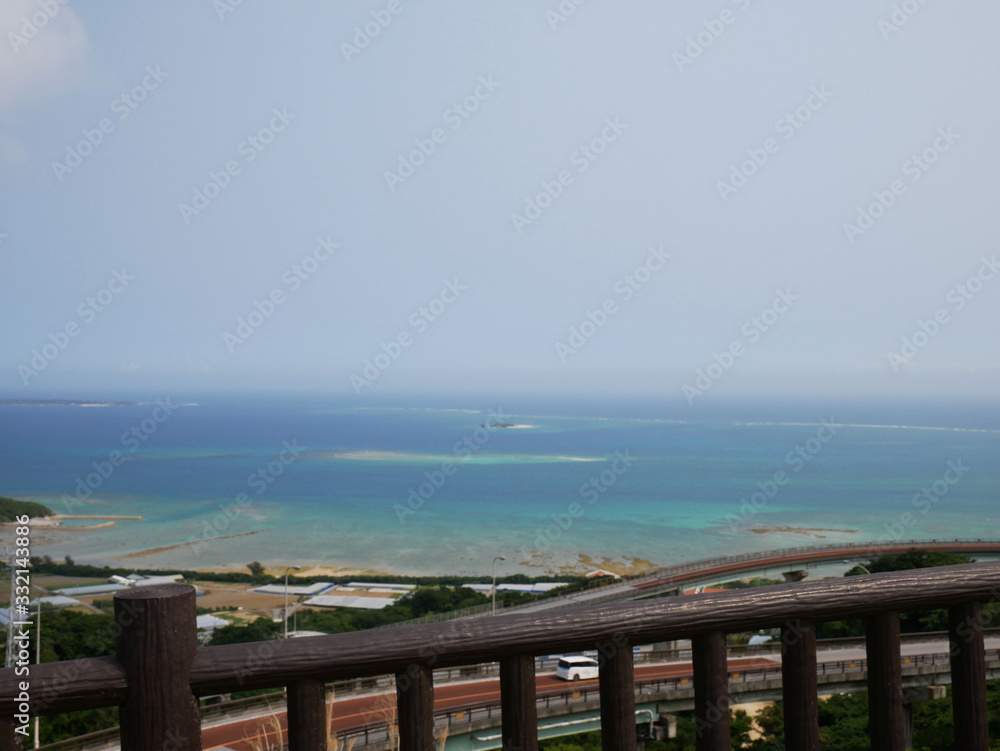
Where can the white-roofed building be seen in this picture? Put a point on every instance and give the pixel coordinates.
(375, 587)
(210, 622)
(91, 589)
(294, 590)
(350, 601)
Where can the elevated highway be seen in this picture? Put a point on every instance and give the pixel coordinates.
(669, 579)
(468, 712)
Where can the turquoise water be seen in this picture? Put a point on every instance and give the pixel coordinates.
(296, 482)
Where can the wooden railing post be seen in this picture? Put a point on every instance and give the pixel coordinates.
(711, 692)
(968, 677)
(306, 714)
(415, 708)
(517, 703)
(886, 717)
(156, 645)
(799, 694)
(617, 692)
(10, 740)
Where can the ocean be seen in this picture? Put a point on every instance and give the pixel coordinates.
(553, 486)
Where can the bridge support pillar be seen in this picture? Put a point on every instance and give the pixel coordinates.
(913, 695)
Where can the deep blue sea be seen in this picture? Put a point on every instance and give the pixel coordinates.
(569, 487)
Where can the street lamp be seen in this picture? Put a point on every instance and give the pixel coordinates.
(290, 568)
(498, 558)
(859, 565)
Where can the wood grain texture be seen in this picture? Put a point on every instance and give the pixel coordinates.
(886, 721)
(156, 646)
(798, 686)
(87, 683)
(415, 708)
(517, 703)
(307, 716)
(968, 677)
(711, 692)
(617, 691)
(9, 739)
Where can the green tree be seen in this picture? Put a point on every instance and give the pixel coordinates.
(910, 622)
(256, 568)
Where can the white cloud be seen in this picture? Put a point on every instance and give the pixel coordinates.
(43, 49)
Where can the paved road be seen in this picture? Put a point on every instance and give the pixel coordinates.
(355, 712)
(358, 711)
(666, 578)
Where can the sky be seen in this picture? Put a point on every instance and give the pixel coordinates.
(678, 200)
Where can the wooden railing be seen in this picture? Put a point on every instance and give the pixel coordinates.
(159, 671)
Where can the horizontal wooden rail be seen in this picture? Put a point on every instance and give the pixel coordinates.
(242, 666)
(587, 693)
(98, 682)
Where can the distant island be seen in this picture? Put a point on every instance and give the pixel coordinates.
(64, 403)
(10, 509)
(77, 403)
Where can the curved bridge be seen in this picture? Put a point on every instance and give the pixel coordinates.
(669, 578)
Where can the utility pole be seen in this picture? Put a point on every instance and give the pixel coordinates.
(38, 651)
(9, 662)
